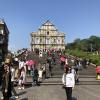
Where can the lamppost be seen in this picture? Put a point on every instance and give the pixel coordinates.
(91, 47)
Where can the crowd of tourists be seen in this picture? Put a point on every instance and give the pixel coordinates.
(16, 70)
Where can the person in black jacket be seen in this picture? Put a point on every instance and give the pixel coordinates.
(35, 76)
(6, 82)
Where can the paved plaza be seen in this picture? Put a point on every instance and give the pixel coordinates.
(55, 92)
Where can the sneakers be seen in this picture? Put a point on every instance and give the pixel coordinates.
(16, 97)
(2, 98)
(19, 88)
(23, 88)
(33, 84)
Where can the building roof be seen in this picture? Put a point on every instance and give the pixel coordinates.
(48, 26)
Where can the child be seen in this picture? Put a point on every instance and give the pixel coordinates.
(22, 79)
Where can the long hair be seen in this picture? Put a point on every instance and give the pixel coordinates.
(66, 70)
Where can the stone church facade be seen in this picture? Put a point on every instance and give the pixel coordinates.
(47, 38)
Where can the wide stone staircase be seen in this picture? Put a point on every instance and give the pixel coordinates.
(87, 76)
(55, 79)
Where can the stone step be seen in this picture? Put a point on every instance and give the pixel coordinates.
(60, 76)
(85, 76)
(81, 82)
(88, 74)
(53, 83)
(80, 76)
(88, 83)
(60, 83)
(81, 79)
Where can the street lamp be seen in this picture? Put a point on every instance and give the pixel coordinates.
(91, 47)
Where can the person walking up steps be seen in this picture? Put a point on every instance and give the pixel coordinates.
(34, 73)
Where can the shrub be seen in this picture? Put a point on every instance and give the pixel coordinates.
(93, 57)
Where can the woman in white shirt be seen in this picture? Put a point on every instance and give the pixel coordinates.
(69, 82)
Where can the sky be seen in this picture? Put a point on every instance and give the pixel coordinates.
(76, 18)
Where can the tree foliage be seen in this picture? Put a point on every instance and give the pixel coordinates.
(89, 45)
(87, 48)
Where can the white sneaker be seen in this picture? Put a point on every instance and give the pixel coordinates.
(19, 88)
(2, 98)
(23, 88)
(16, 97)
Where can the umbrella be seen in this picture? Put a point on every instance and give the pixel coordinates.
(30, 62)
(62, 59)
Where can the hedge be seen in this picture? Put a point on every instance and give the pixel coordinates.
(95, 59)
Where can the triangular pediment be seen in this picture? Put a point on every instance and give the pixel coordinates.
(48, 26)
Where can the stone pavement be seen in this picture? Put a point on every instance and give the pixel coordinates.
(41, 93)
(55, 92)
